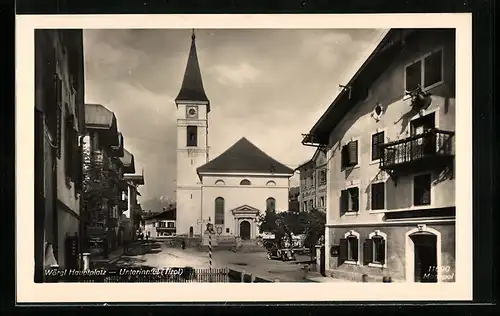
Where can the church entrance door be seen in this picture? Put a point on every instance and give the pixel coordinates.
(245, 230)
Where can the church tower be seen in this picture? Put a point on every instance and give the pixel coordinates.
(193, 107)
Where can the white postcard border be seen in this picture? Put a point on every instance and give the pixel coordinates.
(28, 291)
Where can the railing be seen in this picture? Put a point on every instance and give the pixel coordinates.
(433, 143)
(165, 229)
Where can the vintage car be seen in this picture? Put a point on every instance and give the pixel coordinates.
(281, 254)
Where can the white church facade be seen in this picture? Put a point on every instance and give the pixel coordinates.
(232, 189)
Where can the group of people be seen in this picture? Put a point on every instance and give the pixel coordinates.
(141, 235)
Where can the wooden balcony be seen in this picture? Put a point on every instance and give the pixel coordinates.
(432, 149)
(165, 229)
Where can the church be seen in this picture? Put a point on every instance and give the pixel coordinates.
(231, 190)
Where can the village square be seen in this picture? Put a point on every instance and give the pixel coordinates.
(373, 202)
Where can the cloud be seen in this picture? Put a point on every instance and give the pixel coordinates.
(237, 75)
(283, 81)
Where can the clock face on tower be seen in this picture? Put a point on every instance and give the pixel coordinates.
(192, 112)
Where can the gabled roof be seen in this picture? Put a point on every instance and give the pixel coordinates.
(168, 215)
(192, 84)
(99, 117)
(382, 56)
(244, 157)
(315, 156)
(128, 162)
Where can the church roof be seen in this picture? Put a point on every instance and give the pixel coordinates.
(192, 84)
(244, 156)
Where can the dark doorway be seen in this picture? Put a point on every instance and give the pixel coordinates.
(191, 231)
(245, 230)
(425, 247)
(425, 144)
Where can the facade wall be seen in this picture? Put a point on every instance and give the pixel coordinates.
(188, 195)
(49, 225)
(359, 125)
(151, 225)
(388, 90)
(236, 195)
(307, 187)
(313, 191)
(68, 226)
(65, 188)
(189, 210)
(397, 258)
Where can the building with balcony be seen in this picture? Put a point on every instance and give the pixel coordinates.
(313, 182)
(160, 224)
(59, 123)
(103, 185)
(389, 137)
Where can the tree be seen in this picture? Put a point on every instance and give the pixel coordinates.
(99, 191)
(289, 223)
(314, 228)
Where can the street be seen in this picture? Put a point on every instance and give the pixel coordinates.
(255, 263)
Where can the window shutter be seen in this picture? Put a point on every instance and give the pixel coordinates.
(344, 156)
(368, 251)
(382, 251)
(343, 248)
(355, 249)
(344, 202)
(353, 153)
(354, 195)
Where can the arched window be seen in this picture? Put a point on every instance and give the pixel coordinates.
(375, 249)
(220, 182)
(270, 204)
(349, 248)
(219, 210)
(245, 182)
(271, 182)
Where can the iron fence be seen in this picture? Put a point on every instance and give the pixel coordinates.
(433, 143)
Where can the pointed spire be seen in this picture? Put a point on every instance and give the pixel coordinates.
(192, 84)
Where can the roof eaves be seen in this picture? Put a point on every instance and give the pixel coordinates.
(311, 137)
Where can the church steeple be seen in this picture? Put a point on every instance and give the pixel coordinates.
(192, 84)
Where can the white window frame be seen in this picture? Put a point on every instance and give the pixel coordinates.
(422, 114)
(378, 233)
(422, 70)
(378, 130)
(384, 181)
(346, 142)
(355, 184)
(412, 187)
(346, 236)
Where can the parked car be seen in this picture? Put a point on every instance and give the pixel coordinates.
(281, 254)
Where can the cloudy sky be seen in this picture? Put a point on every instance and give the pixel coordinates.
(269, 86)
